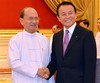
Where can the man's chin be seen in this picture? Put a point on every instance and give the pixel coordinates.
(67, 26)
(33, 27)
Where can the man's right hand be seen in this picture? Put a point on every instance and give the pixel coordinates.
(43, 72)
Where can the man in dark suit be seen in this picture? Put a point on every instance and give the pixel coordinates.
(78, 63)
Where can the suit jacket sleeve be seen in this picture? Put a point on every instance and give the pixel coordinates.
(89, 58)
(52, 65)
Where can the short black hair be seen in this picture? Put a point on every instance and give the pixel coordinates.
(22, 14)
(85, 22)
(65, 3)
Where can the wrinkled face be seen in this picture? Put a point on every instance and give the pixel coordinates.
(67, 15)
(98, 24)
(83, 25)
(30, 20)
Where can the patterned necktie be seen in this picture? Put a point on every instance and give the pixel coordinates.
(66, 40)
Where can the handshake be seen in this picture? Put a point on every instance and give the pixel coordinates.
(43, 72)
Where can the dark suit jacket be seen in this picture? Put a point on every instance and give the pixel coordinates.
(79, 62)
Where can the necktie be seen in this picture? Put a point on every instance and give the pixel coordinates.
(66, 40)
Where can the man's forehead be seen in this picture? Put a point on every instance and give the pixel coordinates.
(31, 12)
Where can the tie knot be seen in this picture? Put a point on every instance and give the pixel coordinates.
(67, 31)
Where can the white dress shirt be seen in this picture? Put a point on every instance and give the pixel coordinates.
(71, 30)
(98, 44)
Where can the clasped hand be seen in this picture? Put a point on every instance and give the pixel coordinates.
(43, 72)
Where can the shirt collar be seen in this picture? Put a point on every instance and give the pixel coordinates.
(29, 34)
(70, 29)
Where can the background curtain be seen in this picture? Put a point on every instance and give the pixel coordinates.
(97, 14)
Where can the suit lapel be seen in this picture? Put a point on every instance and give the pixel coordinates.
(60, 43)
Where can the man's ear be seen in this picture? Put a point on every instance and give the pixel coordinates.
(76, 16)
(21, 21)
(58, 18)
